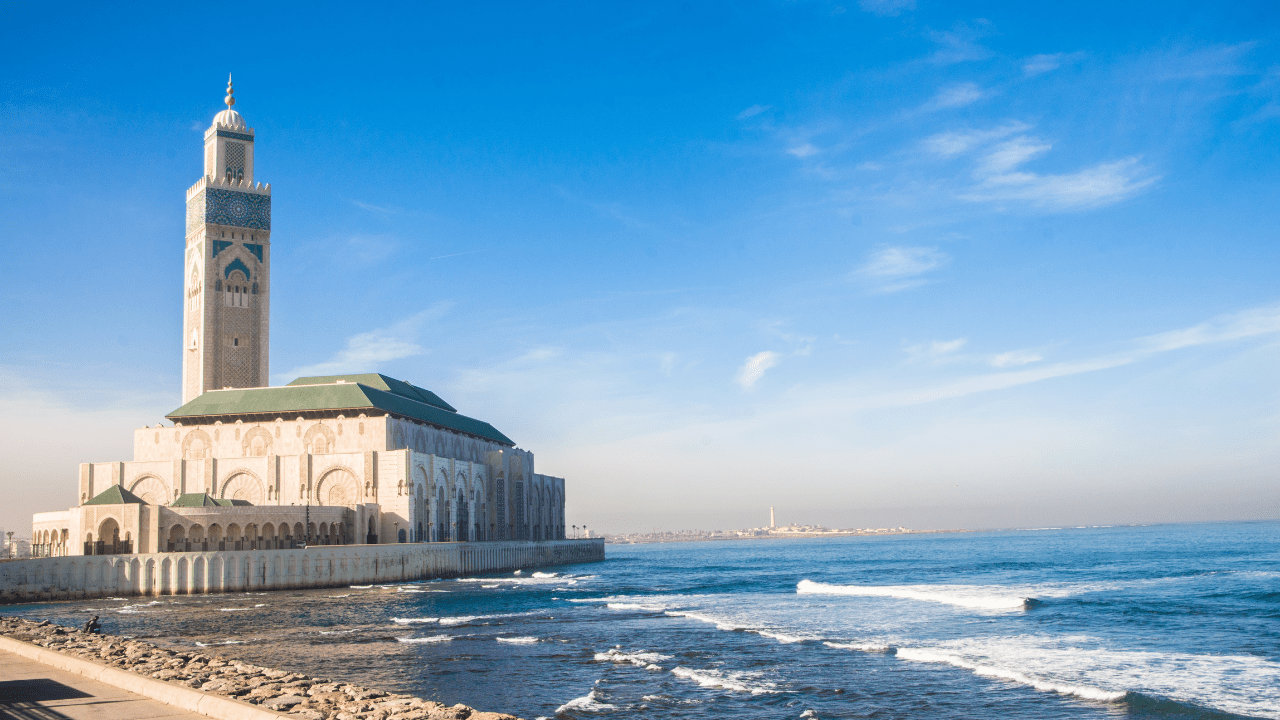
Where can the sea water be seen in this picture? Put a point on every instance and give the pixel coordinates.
(1178, 621)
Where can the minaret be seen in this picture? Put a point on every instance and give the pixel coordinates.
(226, 314)
(771, 525)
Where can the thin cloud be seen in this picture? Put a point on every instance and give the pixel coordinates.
(803, 151)
(893, 269)
(952, 144)
(1009, 155)
(753, 111)
(383, 210)
(956, 96)
(1015, 358)
(1041, 64)
(369, 351)
(936, 351)
(1101, 184)
(1250, 323)
(886, 8)
(960, 43)
(755, 366)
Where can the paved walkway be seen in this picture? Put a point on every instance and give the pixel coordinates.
(34, 691)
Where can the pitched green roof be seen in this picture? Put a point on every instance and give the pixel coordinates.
(381, 382)
(116, 495)
(204, 500)
(347, 396)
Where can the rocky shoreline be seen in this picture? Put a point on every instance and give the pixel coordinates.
(294, 694)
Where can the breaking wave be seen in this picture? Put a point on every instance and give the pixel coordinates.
(518, 640)
(589, 703)
(428, 639)
(975, 597)
(722, 680)
(1081, 691)
(647, 660)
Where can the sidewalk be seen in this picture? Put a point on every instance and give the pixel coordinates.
(34, 691)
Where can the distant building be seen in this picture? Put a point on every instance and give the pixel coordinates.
(344, 459)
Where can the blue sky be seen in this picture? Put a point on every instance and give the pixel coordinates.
(871, 263)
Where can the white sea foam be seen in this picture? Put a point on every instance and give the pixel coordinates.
(518, 640)
(1240, 684)
(785, 638)
(589, 703)
(428, 639)
(224, 642)
(809, 714)
(468, 619)
(632, 606)
(489, 587)
(234, 609)
(720, 623)
(1082, 691)
(860, 647)
(138, 607)
(336, 632)
(410, 621)
(545, 575)
(339, 596)
(647, 660)
(360, 587)
(975, 597)
(723, 680)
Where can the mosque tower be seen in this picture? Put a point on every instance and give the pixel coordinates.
(226, 314)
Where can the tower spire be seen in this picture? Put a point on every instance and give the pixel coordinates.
(230, 98)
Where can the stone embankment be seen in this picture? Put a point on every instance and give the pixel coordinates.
(294, 694)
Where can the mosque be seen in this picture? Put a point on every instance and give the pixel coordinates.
(336, 460)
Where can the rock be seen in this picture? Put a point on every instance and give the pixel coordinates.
(265, 691)
(335, 698)
(456, 712)
(492, 716)
(281, 703)
(168, 674)
(307, 714)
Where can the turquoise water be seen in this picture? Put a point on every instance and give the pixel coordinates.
(1175, 621)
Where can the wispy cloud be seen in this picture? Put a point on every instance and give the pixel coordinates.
(755, 366)
(1041, 64)
(368, 351)
(952, 144)
(1101, 184)
(803, 151)
(960, 43)
(886, 8)
(956, 96)
(998, 177)
(935, 351)
(753, 111)
(383, 210)
(1014, 358)
(1258, 321)
(893, 269)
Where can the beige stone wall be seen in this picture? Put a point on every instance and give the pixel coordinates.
(236, 571)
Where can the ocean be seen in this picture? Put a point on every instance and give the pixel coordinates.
(1173, 621)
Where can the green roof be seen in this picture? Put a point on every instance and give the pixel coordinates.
(187, 500)
(349, 396)
(116, 495)
(383, 383)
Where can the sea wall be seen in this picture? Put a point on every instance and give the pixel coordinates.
(179, 573)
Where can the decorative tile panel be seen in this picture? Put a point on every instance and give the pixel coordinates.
(235, 157)
(236, 265)
(254, 248)
(220, 245)
(195, 212)
(237, 209)
(235, 135)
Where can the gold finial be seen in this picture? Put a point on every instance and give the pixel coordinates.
(229, 100)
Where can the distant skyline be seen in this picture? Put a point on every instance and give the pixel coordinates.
(874, 263)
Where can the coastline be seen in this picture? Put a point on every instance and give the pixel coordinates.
(657, 538)
(237, 689)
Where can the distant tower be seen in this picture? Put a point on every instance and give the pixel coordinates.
(771, 525)
(227, 264)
